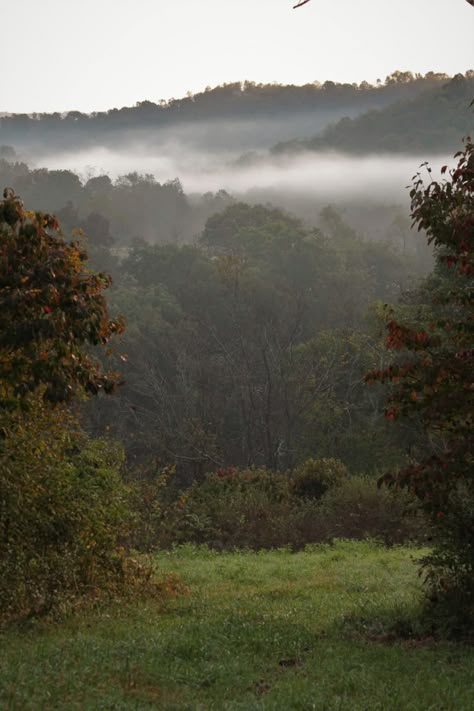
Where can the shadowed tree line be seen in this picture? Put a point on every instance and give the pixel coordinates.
(240, 101)
(432, 121)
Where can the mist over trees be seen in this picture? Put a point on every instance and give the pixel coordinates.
(114, 212)
(431, 121)
(249, 347)
(253, 316)
(263, 114)
(157, 171)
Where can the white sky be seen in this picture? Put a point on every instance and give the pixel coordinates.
(59, 55)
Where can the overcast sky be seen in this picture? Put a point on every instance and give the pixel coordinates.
(59, 55)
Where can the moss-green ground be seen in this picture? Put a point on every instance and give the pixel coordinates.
(272, 630)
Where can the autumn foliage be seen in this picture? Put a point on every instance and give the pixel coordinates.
(431, 375)
(52, 310)
(63, 505)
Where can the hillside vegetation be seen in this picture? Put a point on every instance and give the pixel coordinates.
(432, 121)
(237, 115)
(263, 383)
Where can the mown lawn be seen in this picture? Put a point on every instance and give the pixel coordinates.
(272, 630)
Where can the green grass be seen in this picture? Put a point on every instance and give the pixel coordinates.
(271, 630)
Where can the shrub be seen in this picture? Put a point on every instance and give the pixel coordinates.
(152, 492)
(258, 508)
(316, 476)
(449, 568)
(63, 506)
(63, 513)
(357, 508)
(248, 508)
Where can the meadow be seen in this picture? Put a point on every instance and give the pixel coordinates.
(331, 627)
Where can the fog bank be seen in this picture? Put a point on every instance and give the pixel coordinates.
(328, 176)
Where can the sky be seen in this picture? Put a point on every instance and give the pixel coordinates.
(93, 55)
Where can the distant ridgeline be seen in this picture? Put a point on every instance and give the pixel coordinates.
(435, 120)
(402, 104)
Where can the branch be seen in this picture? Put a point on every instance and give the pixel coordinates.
(303, 2)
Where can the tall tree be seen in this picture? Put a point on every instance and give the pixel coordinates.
(63, 505)
(432, 377)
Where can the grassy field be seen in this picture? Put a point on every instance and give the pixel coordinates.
(271, 630)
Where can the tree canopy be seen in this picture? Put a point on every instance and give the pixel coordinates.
(52, 311)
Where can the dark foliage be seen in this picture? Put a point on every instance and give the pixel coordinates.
(259, 509)
(432, 379)
(230, 102)
(251, 347)
(432, 121)
(51, 309)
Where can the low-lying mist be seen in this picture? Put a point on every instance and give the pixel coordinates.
(328, 177)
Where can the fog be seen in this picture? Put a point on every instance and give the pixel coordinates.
(370, 190)
(329, 176)
(224, 135)
(258, 129)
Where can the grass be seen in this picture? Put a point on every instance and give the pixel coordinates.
(272, 630)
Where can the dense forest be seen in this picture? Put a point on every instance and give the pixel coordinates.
(114, 212)
(249, 347)
(168, 168)
(249, 329)
(236, 356)
(244, 334)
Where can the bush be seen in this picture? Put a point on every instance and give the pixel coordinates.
(316, 476)
(258, 508)
(357, 508)
(152, 491)
(63, 514)
(250, 508)
(450, 567)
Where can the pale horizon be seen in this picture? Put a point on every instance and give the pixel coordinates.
(94, 56)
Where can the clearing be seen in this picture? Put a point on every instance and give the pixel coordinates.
(272, 630)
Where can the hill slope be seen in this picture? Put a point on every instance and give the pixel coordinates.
(434, 121)
(237, 116)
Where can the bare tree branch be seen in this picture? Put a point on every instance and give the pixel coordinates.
(303, 2)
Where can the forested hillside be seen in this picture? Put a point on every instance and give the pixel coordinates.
(114, 212)
(430, 122)
(266, 340)
(238, 116)
(237, 355)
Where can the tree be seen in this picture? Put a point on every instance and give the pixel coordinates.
(64, 509)
(52, 311)
(432, 379)
(247, 348)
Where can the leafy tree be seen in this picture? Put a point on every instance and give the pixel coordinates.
(64, 508)
(97, 228)
(51, 311)
(432, 378)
